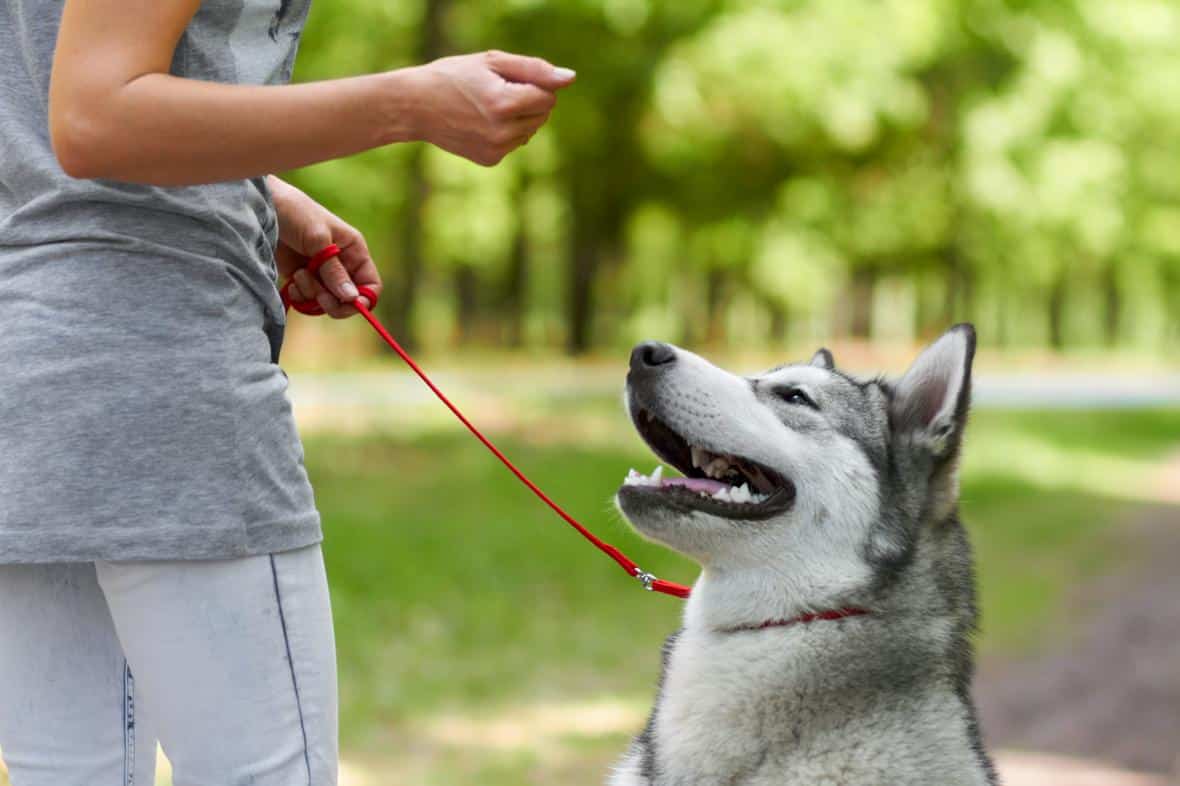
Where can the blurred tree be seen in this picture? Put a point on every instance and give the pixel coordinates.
(431, 44)
(1009, 162)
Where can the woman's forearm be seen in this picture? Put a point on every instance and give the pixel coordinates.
(168, 130)
(116, 111)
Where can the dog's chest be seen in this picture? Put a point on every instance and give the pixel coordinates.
(744, 711)
(726, 708)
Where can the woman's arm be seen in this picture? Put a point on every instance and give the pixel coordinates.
(115, 112)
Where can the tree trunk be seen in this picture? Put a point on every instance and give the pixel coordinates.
(924, 315)
(861, 290)
(776, 332)
(1170, 295)
(585, 254)
(1000, 339)
(516, 291)
(960, 291)
(1112, 305)
(466, 281)
(715, 297)
(514, 301)
(399, 309)
(1056, 312)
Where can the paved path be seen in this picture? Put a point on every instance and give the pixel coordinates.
(1040, 769)
(1051, 390)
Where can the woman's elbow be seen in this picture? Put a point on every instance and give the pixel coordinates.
(78, 142)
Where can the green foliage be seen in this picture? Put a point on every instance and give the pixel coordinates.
(777, 162)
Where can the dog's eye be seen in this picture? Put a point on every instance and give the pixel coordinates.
(795, 396)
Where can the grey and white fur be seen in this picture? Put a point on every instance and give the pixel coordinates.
(857, 506)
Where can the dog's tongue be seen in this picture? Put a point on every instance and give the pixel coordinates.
(706, 485)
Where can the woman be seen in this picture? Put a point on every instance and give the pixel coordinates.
(160, 573)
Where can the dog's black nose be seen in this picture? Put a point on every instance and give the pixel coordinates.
(650, 354)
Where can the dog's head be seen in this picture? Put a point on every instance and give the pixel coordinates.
(802, 482)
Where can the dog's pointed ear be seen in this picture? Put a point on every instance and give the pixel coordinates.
(930, 401)
(823, 358)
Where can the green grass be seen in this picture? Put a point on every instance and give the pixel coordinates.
(453, 587)
(458, 595)
(455, 590)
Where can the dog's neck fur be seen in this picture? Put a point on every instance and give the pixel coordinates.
(881, 698)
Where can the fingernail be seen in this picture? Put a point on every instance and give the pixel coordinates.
(349, 290)
(564, 74)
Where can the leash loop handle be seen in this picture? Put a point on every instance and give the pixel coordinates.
(650, 582)
(310, 307)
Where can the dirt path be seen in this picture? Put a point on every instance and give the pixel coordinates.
(1110, 691)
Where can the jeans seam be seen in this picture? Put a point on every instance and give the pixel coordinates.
(128, 721)
(291, 662)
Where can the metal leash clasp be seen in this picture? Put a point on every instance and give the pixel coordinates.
(645, 578)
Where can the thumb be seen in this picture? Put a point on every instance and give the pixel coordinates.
(530, 70)
(337, 280)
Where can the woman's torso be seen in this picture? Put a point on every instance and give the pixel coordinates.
(144, 415)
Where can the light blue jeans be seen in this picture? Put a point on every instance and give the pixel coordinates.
(229, 664)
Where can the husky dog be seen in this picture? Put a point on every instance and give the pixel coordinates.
(827, 641)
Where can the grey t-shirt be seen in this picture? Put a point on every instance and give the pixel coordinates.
(142, 411)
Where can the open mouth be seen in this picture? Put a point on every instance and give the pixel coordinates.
(724, 485)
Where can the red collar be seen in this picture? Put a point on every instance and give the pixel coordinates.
(834, 614)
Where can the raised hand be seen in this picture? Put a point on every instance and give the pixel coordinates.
(483, 106)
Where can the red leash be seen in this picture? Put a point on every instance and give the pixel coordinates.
(313, 308)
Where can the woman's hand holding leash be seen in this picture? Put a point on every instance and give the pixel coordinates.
(305, 229)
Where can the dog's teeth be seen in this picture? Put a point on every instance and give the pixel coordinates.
(656, 474)
(722, 495)
(638, 479)
(717, 468)
(700, 456)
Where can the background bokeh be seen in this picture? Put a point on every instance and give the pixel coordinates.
(752, 180)
(755, 172)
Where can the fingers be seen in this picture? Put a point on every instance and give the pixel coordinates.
(491, 103)
(508, 136)
(336, 289)
(334, 284)
(529, 70)
(520, 100)
(363, 270)
(311, 289)
(337, 281)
